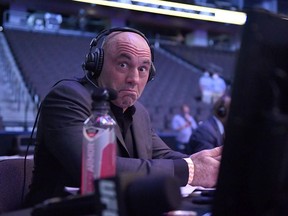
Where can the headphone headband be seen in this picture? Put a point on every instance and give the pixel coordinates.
(94, 60)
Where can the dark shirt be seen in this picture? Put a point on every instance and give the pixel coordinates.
(124, 120)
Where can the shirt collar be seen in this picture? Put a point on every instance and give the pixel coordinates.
(119, 111)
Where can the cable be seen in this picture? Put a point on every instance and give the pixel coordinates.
(87, 77)
(31, 140)
(26, 154)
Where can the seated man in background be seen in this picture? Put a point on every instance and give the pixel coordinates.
(210, 133)
(123, 63)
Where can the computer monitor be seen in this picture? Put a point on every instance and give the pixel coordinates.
(253, 175)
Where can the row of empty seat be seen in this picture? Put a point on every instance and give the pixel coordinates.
(45, 58)
(221, 61)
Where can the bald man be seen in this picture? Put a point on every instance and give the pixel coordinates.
(126, 67)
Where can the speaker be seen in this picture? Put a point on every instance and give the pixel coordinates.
(94, 60)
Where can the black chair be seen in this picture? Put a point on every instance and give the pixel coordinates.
(14, 182)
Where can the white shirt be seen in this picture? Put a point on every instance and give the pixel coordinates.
(206, 82)
(219, 85)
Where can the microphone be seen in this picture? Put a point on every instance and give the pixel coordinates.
(112, 94)
(123, 195)
(106, 94)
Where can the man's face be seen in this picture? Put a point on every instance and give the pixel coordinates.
(127, 61)
(185, 109)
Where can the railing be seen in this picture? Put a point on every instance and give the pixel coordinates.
(16, 103)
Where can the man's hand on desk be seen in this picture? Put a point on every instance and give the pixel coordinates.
(206, 167)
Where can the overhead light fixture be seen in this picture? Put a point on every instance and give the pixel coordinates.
(175, 9)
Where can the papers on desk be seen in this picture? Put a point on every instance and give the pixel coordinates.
(188, 189)
(72, 190)
(14, 157)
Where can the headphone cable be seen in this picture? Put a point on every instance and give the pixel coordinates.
(26, 154)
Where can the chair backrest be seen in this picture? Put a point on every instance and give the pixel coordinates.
(12, 179)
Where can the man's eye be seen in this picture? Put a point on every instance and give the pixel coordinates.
(143, 69)
(123, 65)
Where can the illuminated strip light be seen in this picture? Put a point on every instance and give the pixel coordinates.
(176, 9)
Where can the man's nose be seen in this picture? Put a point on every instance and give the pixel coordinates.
(133, 76)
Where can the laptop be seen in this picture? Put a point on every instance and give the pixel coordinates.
(253, 175)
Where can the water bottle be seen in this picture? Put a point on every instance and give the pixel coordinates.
(99, 142)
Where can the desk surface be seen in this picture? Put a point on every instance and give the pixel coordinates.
(193, 200)
(187, 204)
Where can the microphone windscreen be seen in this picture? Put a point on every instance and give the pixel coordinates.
(153, 195)
(112, 94)
(104, 94)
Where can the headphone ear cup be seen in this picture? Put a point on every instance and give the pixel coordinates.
(94, 62)
(152, 72)
(221, 112)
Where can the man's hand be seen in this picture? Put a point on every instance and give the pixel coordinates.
(206, 167)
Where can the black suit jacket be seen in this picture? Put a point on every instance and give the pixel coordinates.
(59, 144)
(206, 136)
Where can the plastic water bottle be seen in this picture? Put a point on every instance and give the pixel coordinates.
(99, 142)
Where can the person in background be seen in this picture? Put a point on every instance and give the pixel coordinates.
(124, 63)
(211, 132)
(206, 87)
(183, 124)
(218, 87)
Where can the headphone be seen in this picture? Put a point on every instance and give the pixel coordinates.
(94, 60)
(221, 110)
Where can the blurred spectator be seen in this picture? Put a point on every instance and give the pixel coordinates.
(52, 21)
(41, 21)
(206, 87)
(82, 19)
(219, 87)
(184, 124)
(210, 133)
(36, 21)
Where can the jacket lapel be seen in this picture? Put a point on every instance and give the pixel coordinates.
(140, 136)
(120, 138)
